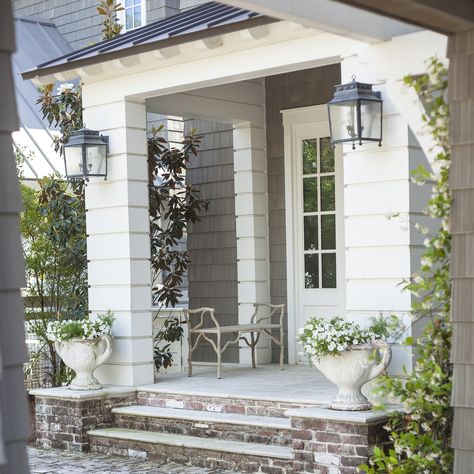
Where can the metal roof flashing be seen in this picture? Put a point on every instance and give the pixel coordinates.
(208, 20)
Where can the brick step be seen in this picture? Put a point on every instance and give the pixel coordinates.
(229, 426)
(259, 406)
(201, 452)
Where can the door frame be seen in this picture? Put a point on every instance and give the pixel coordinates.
(293, 120)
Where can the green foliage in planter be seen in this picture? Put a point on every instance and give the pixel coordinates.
(85, 329)
(174, 204)
(321, 337)
(53, 232)
(422, 435)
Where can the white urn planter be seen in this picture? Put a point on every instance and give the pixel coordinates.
(351, 370)
(84, 356)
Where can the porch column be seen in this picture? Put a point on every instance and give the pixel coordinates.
(251, 213)
(381, 207)
(118, 243)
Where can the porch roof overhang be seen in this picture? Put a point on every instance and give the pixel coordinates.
(203, 23)
(370, 17)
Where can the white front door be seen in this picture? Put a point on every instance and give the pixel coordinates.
(314, 221)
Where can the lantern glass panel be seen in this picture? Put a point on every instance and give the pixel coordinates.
(371, 114)
(96, 160)
(343, 120)
(73, 157)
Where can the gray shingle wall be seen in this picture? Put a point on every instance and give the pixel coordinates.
(78, 21)
(212, 243)
(287, 91)
(187, 4)
(461, 97)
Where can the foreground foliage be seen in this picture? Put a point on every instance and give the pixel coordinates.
(422, 435)
(53, 231)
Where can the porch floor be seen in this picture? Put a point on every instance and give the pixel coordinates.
(295, 384)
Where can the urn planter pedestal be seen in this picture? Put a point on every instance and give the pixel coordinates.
(351, 370)
(84, 356)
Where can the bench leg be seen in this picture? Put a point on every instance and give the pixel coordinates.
(252, 340)
(219, 355)
(282, 347)
(190, 355)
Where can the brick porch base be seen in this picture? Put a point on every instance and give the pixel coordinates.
(214, 432)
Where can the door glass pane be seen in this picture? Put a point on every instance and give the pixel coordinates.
(310, 194)
(311, 271)
(328, 197)
(309, 157)
(328, 232)
(311, 233)
(327, 155)
(329, 270)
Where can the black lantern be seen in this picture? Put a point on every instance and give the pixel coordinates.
(355, 114)
(85, 154)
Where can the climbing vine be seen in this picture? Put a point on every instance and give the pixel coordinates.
(421, 436)
(174, 204)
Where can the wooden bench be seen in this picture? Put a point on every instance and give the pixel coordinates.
(256, 326)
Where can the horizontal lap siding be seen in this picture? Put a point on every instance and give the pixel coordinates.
(287, 91)
(212, 242)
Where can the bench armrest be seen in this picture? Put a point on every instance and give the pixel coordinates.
(200, 311)
(274, 309)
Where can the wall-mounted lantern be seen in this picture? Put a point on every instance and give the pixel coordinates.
(355, 114)
(85, 154)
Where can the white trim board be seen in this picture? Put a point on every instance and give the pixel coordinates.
(299, 124)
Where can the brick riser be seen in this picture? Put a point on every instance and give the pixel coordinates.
(218, 404)
(192, 456)
(249, 434)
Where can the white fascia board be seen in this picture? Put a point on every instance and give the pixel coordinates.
(278, 53)
(331, 16)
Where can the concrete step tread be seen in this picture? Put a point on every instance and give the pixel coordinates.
(204, 416)
(221, 445)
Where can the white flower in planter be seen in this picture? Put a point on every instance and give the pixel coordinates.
(344, 351)
(83, 345)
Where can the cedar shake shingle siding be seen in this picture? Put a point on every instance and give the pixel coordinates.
(212, 243)
(461, 97)
(287, 91)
